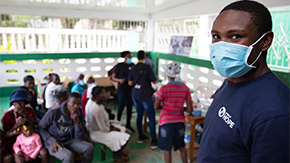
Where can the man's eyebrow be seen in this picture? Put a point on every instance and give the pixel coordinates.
(214, 31)
(230, 31)
(235, 30)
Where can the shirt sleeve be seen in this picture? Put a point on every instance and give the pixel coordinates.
(130, 76)
(116, 70)
(160, 93)
(270, 141)
(6, 122)
(151, 75)
(38, 146)
(45, 122)
(75, 89)
(16, 145)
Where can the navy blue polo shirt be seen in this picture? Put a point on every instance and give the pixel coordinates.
(122, 70)
(142, 75)
(248, 123)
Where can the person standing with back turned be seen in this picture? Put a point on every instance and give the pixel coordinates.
(248, 120)
(172, 119)
(141, 77)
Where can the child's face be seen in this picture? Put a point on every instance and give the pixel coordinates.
(27, 130)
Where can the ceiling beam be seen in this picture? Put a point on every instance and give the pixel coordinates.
(205, 7)
(70, 12)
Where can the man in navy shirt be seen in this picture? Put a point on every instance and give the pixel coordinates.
(248, 121)
(141, 77)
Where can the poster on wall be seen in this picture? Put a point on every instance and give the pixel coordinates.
(180, 45)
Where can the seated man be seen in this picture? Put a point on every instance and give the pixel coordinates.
(13, 119)
(63, 131)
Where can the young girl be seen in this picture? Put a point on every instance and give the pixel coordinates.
(28, 144)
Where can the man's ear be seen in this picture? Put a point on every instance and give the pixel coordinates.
(267, 41)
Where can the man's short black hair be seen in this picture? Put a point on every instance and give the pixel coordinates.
(74, 95)
(259, 14)
(141, 55)
(28, 78)
(124, 53)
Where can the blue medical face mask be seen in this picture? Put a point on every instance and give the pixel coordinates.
(92, 84)
(230, 60)
(81, 82)
(129, 60)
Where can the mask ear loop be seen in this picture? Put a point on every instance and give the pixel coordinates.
(250, 50)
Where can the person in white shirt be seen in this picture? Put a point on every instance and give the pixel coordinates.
(100, 128)
(48, 92)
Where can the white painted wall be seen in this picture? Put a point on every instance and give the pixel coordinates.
(206, 7)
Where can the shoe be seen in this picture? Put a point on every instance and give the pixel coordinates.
(154, 144)
(130, 129)
(142, 138)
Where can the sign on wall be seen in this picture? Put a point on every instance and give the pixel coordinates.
(180, 45)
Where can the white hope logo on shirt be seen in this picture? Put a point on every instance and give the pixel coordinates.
(222, 113)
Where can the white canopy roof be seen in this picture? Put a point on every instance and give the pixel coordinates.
(141, 10)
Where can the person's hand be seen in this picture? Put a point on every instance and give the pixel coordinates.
(16, 132)
(55, 146)
(33, 91)
(122, 81)
(74, 116)
(19, 121)
(20, 153)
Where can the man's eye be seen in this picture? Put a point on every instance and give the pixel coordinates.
(215, 37)
(236, 37)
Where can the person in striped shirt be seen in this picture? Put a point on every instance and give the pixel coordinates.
(171, 120)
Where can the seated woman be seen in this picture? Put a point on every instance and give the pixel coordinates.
(79, 85)
(100, 128)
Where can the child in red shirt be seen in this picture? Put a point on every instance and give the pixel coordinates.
(171, 120)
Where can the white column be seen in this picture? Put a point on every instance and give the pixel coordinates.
(13, 43)
(95, 41)
(66, 42)
(5, 42)
(19, 42)
(83, 41)
(27, 42)
(149, 46)
(40, 42)
(33, 42)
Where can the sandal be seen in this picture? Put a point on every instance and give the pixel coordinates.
(122, 159)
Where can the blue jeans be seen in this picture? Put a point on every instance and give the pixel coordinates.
(149, 108)
(125, 97)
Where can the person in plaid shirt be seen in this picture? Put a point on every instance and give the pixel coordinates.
(14, 118)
